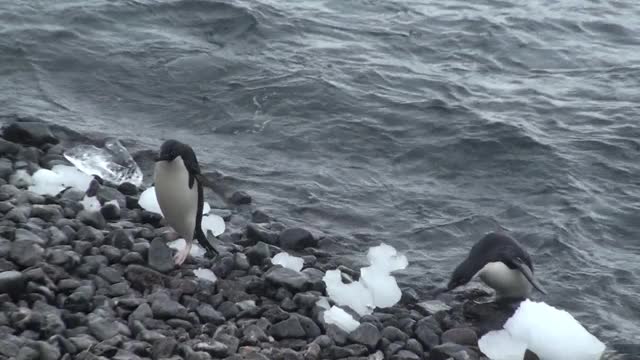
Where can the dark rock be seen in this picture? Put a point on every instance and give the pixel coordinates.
(12, 282)
(111, 253)
(257, 233)
(310, 327)
(110, 274)
(228, 309)
(128, 188)
(426, 335)
(230, 341)
(18, 215)
(275, 314)
(142, 312)
(366, 334)
(241, 261)
(165, 308)
(81, 300)
(210, 315)
(48, 351)
(224, 266)
(27, 353)
(92, 218)
(48, 213)
(405, 355)
(132, 258)
(288, 305)
(57, 236)
(350, 351)
(286, 277)
(455, 351)
(6, 169)
(258, 216)
(394, 334)
(106, 194)
(33, 133)
(143, 278)
(8, 147)
(26, 235)
(110, 212)
(26, 253)
(103, 329)
(460, 336)
(258, 253)
(160, 256)
(119, 289)
(290, 328)
(213, 348)
(414, 346)
(88, 233)
(253, 335)
(432, 306)
(240, 198)
(297, 239)
(336, 334)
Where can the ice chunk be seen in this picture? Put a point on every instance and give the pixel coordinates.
(354, 295)
(288, 261)
(382, 286)
(386, 258)
(179, 244)
(20, 179)
(341, 319)
(113, 202)
(323, 303)
(376, 287)
(46, 182)
(500, 345)
(213, 223)
(149, 202)
(550, 333)
(112, 163)
(90, 203)
(70, 176)
(205, 274)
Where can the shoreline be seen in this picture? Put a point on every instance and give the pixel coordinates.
(79, 284)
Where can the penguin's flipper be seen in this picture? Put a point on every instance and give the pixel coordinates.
(217, 186)
(526, 271)
(202, 239)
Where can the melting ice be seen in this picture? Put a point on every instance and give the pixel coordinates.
(52, 182)
(112, 163)
(288, 261)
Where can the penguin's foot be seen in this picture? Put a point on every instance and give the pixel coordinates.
(181, 255)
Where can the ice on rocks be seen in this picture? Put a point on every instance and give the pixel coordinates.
(323, 303)
(52, 182)
(376, 287)
(341, 319)
(550, 333)
(179, 244)
(21, 179)
(112, 163)
(90, 203)
(213, 223)
(288, 261)
(205, 274)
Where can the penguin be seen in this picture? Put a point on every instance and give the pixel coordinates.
(501, 263)
(179, 192)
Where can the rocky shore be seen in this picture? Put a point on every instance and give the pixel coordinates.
(80, 284)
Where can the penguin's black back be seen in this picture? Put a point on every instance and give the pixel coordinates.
(498, 247)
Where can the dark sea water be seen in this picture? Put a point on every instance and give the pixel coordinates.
(423, 124)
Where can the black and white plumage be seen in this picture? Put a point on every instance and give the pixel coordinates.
(501, 263)
(180, 194)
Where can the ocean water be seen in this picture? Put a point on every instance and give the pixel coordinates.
(422, 124)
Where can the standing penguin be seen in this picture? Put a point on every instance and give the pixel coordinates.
(180, 195)
(501, 263)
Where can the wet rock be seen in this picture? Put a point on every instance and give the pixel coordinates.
(210, 315)
(258, 253)
(26, 253)
(297, 239)
(81, 300)
(12, 282)
(90, 234)
(57, 237)
(253, 335)
(128, 188)
(132, 258)
(142, 312)
(230, 341)
(241, 261)
(224, 266)
(414, 346)
(8, 147)
(258, 216)
(143, 278)
(286, 277)
(257, 233)
(366, 334)
(311, 329)
(405, 355)
(432, 306)
(240, 198)
(455, 351)
(103, 329)
(315, 279)
(106, 194)
(92, 218)
(228, 309)
(349, 351)
(110, 211)
(425, 333)
(336, 334)
(394, 334)
(110, 274)
(48, 213)
(213, 348)
(290, 328)
(160, 256)
(461, 336)
(26, 235)
(165, 308)
(163, 348)
(33, 133)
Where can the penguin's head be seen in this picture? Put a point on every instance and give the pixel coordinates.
(170, 150)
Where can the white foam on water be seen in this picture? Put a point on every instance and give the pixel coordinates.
(205, 274)
(341, 319)
(288, 261)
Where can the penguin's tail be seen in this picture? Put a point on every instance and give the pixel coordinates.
(202, 239)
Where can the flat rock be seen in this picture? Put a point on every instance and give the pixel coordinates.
(92, 218)
(33, 133)
(460, 336)
(455, 351)
(405, 355)
(366, 334)
(165, 308)
(290, 328)
(286, 277)
(12, 282)
(432, 306)
(48, 213)
(297, 239)
(160, 256)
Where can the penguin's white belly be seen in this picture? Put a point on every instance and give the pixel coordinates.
(179, 203)
(506, 282)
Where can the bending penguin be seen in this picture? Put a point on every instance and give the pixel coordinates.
(501, 263)
(179, 191)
